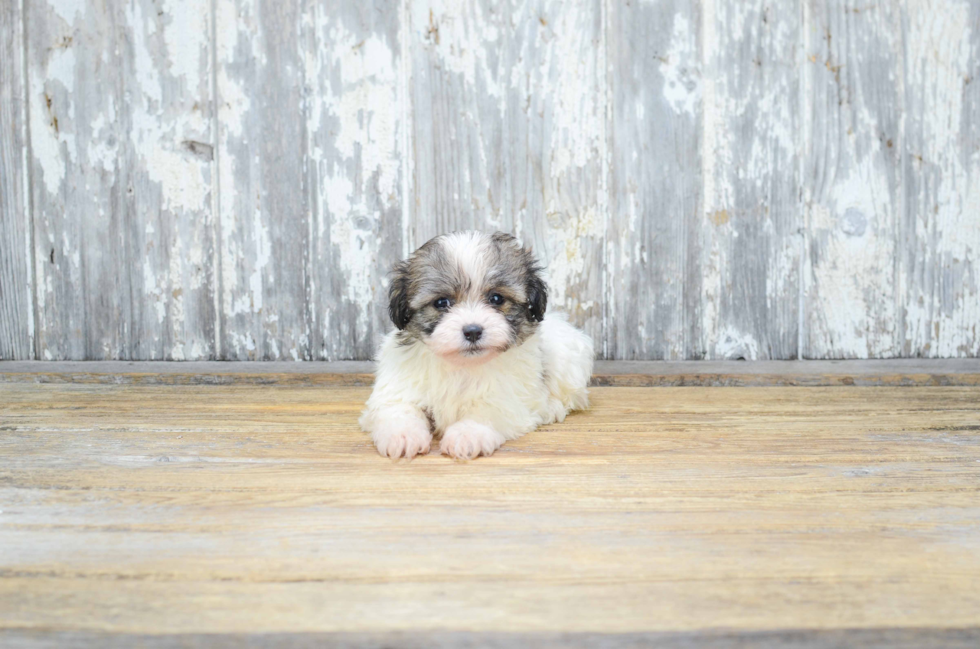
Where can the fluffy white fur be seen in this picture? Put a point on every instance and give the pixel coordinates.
(476, 407)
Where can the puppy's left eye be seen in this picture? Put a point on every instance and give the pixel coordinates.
(496, 299)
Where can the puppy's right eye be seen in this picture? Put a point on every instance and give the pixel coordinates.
(442, 303)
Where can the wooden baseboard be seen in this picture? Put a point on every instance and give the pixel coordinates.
(900, 372)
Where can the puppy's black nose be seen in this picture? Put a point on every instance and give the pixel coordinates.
(472, 333)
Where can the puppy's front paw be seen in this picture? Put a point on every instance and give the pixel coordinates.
(467, 439)
(404, 439)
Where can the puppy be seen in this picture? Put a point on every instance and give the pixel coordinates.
(474, 359)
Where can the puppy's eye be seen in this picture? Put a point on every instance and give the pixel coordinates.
(442, 303)
(496, 299)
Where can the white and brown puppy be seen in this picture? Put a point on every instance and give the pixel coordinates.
(474, 360)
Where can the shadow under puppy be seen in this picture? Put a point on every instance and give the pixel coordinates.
(474, 360)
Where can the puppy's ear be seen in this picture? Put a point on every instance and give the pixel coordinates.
(537, 291)
(398, 296)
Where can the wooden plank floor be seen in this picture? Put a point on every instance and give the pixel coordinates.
(258, 515)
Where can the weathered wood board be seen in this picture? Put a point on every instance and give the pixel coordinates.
(652, 291)
(120, 124)
(853, 73)
(262, 150)
(751, 218)
(357, 166)
(16, 283)
(254, 509)
(940, 231)
(310, 171)
(233, 179)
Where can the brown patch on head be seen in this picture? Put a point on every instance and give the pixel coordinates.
(515, 274)
(418, 282)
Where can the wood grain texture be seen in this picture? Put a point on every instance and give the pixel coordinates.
(265, 216)
(853, 179)
(653, 280)
(310, 173)
(508, 134)
(246, 510)
(16, 283)
(355, 107)
(120, 123)
(752, 219)
(940, 230)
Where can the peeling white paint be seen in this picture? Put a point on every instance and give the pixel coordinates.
(52, 128)
(567, 257)
(749, 152)
(355, 135)
(123, 164)
(68, 10)
(234, 105)
(943, 304)
(187, 40)
(568, 76)
(152, 293)
(455, 33)
(714, 156)
(851, 217)
(679, 67)
(366, 106)
(46, 143)
(61, 68)
(263, 253)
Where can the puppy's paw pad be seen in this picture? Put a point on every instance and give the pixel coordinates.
(466, 440)
(405, 443)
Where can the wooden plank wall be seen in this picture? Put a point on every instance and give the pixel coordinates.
(232, 179)
(16, 299)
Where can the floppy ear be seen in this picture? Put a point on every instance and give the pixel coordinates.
(398, 307)
(537, 293)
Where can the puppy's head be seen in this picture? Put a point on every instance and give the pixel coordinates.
(469, 296)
